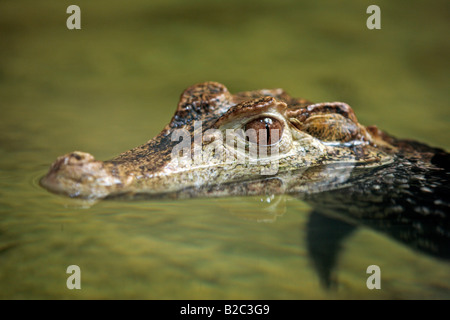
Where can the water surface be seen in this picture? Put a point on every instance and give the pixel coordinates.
(115, 84)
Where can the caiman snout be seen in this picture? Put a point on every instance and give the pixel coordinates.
(78, 174)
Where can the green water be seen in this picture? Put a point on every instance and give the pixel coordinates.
(115, 83)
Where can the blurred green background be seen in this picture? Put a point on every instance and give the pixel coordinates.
(120, 76)
(115, 84)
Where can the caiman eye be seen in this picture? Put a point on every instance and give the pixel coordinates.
(264, 131)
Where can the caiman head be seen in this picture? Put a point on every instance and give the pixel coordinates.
(219, 144)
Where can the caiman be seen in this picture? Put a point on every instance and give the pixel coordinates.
(350, 174)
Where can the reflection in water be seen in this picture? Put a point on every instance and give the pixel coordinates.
(324, 237)
(407, 201)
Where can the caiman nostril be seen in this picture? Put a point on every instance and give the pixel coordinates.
(76, 156)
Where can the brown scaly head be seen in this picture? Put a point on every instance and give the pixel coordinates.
(219, 144)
